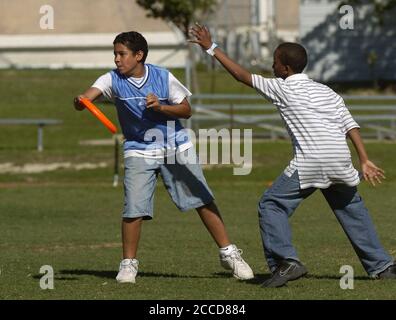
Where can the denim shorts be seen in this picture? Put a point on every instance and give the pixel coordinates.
(184, 182)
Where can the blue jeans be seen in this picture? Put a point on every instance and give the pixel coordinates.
(280, 201)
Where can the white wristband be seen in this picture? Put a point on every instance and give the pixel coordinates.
(210, 51)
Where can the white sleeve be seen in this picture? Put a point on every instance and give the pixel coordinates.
(347, 121)
(104, 84)
(270, 88)
(177, 92)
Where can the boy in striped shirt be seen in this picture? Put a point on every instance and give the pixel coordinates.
(318, 123)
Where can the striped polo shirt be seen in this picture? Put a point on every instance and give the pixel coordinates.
(317, 121)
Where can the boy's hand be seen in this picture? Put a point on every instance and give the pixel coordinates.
(371, 172)
(202, 36)
(153, 102)
(77, 104)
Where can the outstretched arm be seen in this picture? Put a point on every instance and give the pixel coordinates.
(91, 94)
(370, 171)
(204, 39)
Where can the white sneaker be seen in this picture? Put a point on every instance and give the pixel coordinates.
(128, 271)
(233, 261)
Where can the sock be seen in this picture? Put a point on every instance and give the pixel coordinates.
(128, 261)
(227, 250)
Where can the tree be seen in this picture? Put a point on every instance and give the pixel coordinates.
(182, 13)
(381, 8)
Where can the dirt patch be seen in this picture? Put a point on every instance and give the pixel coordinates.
(9, 167)
(69, 246)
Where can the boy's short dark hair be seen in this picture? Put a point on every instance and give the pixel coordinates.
(293, 55)
(134, 41)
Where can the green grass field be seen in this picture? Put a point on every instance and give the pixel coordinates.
(70, 219)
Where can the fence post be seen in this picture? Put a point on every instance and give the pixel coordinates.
(40, 137)
(231, 116)
(116, 147)
(231, 120)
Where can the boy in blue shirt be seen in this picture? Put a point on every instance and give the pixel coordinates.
(150, 101)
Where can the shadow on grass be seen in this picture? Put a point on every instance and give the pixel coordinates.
(260, 278)
(39, 276)
(327, 277)
(111, 274)
(97, 273)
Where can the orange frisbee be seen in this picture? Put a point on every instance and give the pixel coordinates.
(98, 114)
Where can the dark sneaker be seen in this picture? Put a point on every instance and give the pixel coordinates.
(388, 273)
(288, 270)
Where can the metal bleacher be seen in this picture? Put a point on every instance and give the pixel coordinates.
(377, 119)
(40, 123)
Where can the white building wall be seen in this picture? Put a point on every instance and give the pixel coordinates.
(83, 34)
(83, 50)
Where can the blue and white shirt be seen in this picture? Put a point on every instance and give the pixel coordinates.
(148, 133)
